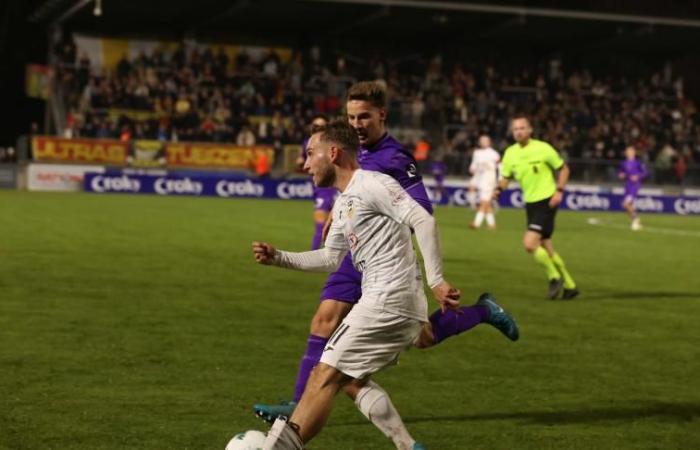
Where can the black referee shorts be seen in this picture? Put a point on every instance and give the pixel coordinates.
(540, 218)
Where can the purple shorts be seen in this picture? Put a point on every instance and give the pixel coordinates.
(324, 198)
(631, 191)
(345, 284)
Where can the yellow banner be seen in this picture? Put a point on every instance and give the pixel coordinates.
(212, 155)
(48, 148)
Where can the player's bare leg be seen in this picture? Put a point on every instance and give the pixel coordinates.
(481, 213)
(328, 316)
(315, 405)
(488, 212)
(636, 224)
(312, 412)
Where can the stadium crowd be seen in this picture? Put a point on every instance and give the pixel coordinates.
(200, 94)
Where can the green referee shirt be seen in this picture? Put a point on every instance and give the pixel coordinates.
(533, 167)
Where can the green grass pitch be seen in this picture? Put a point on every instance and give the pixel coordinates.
(141, 322)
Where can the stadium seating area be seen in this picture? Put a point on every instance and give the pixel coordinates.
(197, 95)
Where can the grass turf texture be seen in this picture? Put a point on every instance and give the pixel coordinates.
(142, 322)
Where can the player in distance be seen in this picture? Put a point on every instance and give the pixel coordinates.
(484, 172)
(632, 172)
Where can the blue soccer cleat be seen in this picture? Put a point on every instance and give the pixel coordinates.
(270, 413)
(419, 446)
(499, 318)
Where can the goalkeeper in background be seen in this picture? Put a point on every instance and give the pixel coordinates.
(533, 164)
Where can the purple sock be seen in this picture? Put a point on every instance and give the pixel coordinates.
(450, 323)
(314, 349)
(316, 242)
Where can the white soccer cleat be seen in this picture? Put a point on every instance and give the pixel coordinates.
(636, 224)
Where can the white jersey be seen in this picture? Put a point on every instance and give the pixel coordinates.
(372, 218)
(484, 166)
(368, 217)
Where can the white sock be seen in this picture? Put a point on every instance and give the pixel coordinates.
(376, 405)
(478, 219)
(282, 437)
(490, 219)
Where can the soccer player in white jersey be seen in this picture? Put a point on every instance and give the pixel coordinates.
(484, 172)
(372, 218)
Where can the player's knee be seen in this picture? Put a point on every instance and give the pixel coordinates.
(530, 246)
(324, 376)
(425, 339)
(325, 321)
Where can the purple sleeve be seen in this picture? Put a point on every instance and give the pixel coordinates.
(403, 168)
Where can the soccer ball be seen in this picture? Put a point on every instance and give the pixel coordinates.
(249, 440)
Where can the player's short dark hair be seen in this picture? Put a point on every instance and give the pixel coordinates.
(368, 91)
(521, 116)
(340, 132)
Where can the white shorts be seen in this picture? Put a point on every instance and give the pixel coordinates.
(486, 191)
(358, 351)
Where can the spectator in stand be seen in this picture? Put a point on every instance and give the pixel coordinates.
(245, 137)
(421, 153)
(584, 113)
(261, 164)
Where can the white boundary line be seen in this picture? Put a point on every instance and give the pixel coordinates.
(671, 231)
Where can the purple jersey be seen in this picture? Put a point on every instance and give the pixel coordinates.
(438, 169)
(323, 197)
(389, 157)
(629, 168)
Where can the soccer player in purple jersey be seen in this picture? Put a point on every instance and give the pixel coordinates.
(438, 169)
(323, 197)
(632, 171)
(366, 113)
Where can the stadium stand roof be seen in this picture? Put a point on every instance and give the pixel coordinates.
(647, 24)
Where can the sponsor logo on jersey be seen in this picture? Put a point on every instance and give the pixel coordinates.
(412, 171)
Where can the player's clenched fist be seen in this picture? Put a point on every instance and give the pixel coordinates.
(447, 296)
(264, 253)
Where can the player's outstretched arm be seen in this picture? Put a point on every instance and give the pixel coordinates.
(324, 260)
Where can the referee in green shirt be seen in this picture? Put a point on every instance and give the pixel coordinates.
(533, 164)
